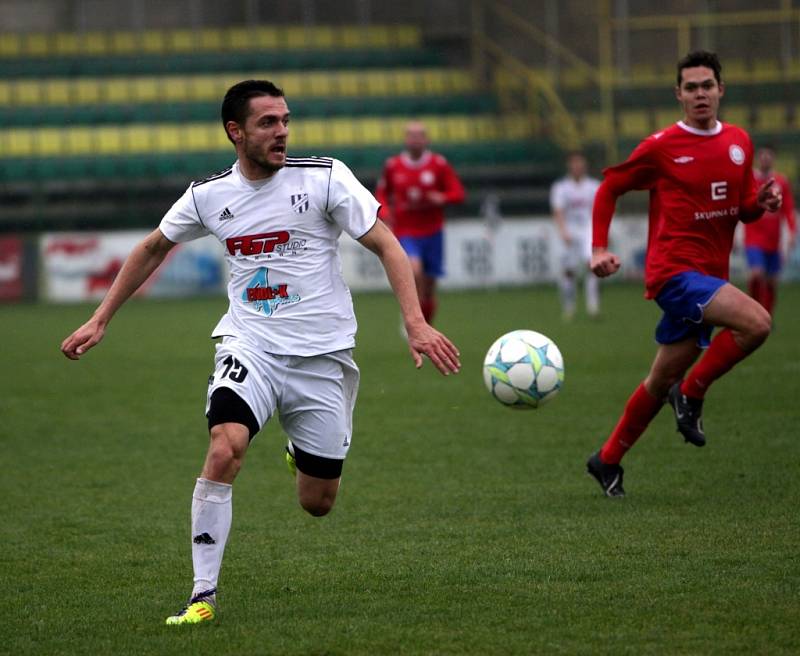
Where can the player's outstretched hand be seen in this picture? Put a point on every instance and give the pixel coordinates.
(770, 197)
(424, 339)
(604, 263)
(87, 336)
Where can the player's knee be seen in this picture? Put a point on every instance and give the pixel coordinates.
(761, 327)
(318, 505)
(226, 450)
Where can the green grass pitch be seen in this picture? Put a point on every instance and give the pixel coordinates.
(462, 527)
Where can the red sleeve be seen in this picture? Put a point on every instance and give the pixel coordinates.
(749, 209)
(453, 189)
(637, 172)
(788, 206)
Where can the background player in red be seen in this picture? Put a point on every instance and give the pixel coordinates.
(700, 178)
(762, 238)
(413, 190)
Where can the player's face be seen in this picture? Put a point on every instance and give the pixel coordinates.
(699, 93)
(265, 133)
(576, 166)
(416, 139)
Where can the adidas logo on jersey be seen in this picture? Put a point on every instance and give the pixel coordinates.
(225, 215)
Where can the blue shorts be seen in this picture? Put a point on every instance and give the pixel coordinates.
(758, 258)
(429, 250)
(684, 299)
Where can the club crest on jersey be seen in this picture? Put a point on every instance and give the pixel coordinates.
(267, 297)
(300, 203)
(737, 154)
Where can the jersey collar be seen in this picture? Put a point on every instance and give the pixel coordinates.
(255, 185)
(702, 133)
(416, 163)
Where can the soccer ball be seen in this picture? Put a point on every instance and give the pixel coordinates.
(523, 369)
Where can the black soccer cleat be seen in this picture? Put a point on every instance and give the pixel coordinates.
(688, 415)
(609, 476)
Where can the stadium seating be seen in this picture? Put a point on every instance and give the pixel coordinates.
(87, 122)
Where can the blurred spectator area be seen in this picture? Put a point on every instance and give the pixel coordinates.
(108, 109)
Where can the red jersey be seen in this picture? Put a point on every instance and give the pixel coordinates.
(404, 187)
(701, 184)
(766, 232)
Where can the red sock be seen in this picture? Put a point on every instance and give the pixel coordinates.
(428, 306)
(754, 288)
(639, 412)
(720, 357)
(769, 296)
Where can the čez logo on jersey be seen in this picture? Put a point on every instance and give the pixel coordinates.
(300, 203)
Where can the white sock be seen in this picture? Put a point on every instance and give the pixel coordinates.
(211, 523)
(566, 287)
(592, 284)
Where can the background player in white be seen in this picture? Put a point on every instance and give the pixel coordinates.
(290, 326)
(571, 199)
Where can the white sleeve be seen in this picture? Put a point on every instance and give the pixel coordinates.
(557, 196)
(182, 222)
(350, 204)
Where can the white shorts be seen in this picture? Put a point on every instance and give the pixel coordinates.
(314, 396)
(576, 255)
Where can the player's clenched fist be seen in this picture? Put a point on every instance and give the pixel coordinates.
(604, 263)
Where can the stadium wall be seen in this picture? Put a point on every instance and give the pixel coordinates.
(77, 267)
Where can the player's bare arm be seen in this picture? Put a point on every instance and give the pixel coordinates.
(143, 260)
(561, 225)
(422, 338)
(604, 262)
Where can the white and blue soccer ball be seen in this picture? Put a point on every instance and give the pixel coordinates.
(523, 369)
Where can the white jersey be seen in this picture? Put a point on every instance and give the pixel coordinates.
(286, 291)
(575, 198)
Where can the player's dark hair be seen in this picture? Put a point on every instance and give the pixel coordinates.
(236, 104)
(701, 58)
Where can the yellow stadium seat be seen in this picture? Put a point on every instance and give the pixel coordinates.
(404, 83)
(210, 40)
(67, 43)
(204, 87)
(348, 84)
(351, 37)
(49, 142)
(153, 42)
(787, 165)
(174, 88)
(10, 45)
(116, 91)
(371, 132)
(5, 93)
(377, 84)
(379, 37)
(138, 139)
(666, 116)
(18, 143)
(170, 138)
(596, 126)
(27, 92)
(124, 43)
(634, 124)
(107, 140)
(57, 92)
(78, 141)
(407, 36)
(736, 114)
(771, 117)
(319, 84)
(37, 45)
(144, 89)
(433, 82)
(269, 38)
(182, 41)
(297, 37)
(323, 37)
(341, 132)
(239, 39)
(87, 91)
(94, 43)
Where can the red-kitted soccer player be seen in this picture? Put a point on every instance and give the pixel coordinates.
(700, 178)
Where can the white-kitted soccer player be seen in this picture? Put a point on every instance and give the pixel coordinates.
(287, 337)
(571, 199)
